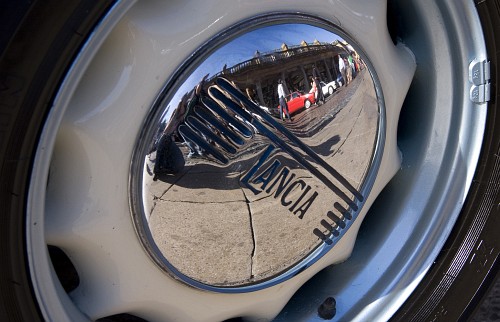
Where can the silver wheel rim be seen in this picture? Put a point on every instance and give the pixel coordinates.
(442, 161)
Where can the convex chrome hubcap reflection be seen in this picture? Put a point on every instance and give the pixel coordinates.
(258, 156)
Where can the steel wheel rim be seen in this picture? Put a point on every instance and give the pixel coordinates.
(408, 276)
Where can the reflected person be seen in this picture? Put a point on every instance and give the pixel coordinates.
(282, 100)
(342, 70)
(319, 97)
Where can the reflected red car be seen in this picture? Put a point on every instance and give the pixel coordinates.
(298, 100)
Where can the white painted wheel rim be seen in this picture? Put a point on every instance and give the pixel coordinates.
(87, 128)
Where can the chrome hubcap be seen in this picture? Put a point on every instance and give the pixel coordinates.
(230, 196)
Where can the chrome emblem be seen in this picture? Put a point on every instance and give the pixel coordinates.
(258, 156)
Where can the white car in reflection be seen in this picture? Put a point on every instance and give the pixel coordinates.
(329, 88)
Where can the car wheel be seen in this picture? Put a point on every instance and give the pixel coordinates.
(80, 84)
(307, 103)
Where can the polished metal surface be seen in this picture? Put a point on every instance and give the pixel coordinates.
(230, 191)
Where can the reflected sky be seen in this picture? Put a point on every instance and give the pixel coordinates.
(268, 39)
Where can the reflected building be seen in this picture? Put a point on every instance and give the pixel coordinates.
(292, 63)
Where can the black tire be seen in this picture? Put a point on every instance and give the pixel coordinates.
(38, 44)
(39, 41)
